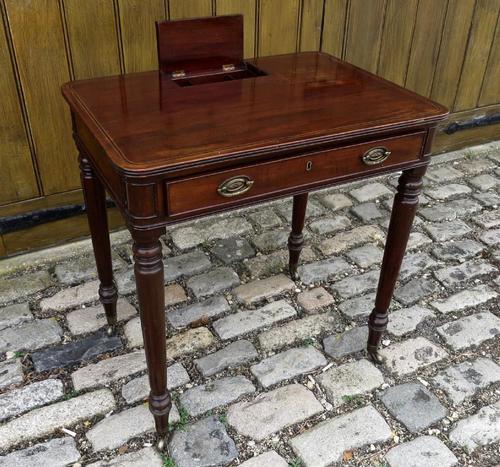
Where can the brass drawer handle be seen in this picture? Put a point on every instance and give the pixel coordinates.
(376, 156)
(235, 186)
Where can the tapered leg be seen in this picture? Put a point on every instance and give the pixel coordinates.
(403, 212)
(95, 203)
(150, 291)
(296, 239)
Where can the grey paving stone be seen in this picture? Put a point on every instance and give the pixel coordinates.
(146, 457)
(415, 263)
(470, 330)
(79, 351)
(297, 331)
(478, 430)
(287, 365)
(187, 237)
(115, 430)
(30, 336)
(213, 282)
(370, 191)
(346, 343)
(182, 317)
(235, 354)
(314, 299)
(356, 285)
(93, 318)
(261, 289)
(23, 286)
(465, 379)
(367, 212)
(203, 444)
(82, 268)
(125, 282)
(415, 290)
(490, 237)
(109, 370)
(413, 405)
(57, 452)
(471, 297)
(484, 182)
(408, 356)
(454, 275)
(351, 238)
(174, 294)
(266, 218)
(71, 297)
(321, 271)
(271, 240)
(212, 394)
(438, 213)
(442, 173)
(14, 314)
(138, 388)
(350, 431)
(351, 379)
(190, 341)
(406, 320)
(457, 250)
(188, 264)
(232, 249)
(487, 198)
(314, 209)
(359, 306)
(328, 225)
(29, 397)
(489, 219)
(446, 191)
(226, 228)
(424, 451)
(417, 240)
(477, 164)
(272, 411)
(247, 321)
(336, 201)
(366, 255)
(444, 231)
(45, 420)
(11, 372)
(267, 459)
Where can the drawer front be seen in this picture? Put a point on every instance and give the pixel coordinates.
(240, 185)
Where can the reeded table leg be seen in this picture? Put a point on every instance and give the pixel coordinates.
(403, 212)
(296, 239)
(150, 291)
(95, 203)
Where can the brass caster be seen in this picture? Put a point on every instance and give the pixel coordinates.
(293, 272)
(162, 445)
(110, 331)
(375, 357)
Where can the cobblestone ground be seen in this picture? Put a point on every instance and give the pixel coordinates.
(265, 371)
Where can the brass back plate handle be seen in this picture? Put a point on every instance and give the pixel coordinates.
(235, 186)
(376, 156)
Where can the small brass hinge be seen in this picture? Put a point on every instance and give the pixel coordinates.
(228, 67)
(178, 74)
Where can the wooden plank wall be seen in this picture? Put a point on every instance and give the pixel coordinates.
(448, 50)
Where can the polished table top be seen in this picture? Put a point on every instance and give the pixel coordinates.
(147, 121)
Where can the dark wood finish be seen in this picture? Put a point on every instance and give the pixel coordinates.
(403, 213)
(296, 239)
(95, 203)
(166, 152)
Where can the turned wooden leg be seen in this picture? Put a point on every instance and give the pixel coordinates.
(150, 291)
(296, 239)
(95, 203)
(403, 212)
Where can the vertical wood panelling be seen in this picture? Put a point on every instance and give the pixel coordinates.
(93, 38)
(365, 24)
(189, 8)
(310, 25)
(247, 8)
(452, 51)
(37, 37)
(478, 51)
(490, 93)
(17, 174)
(278, 26)
(137, 25)
(425, 47)
(334, 24)
(397, 38)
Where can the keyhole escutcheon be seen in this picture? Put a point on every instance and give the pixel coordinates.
(309, 166)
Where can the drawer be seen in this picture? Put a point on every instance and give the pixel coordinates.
(267, 179)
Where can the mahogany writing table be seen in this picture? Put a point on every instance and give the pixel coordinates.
(202, 136)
